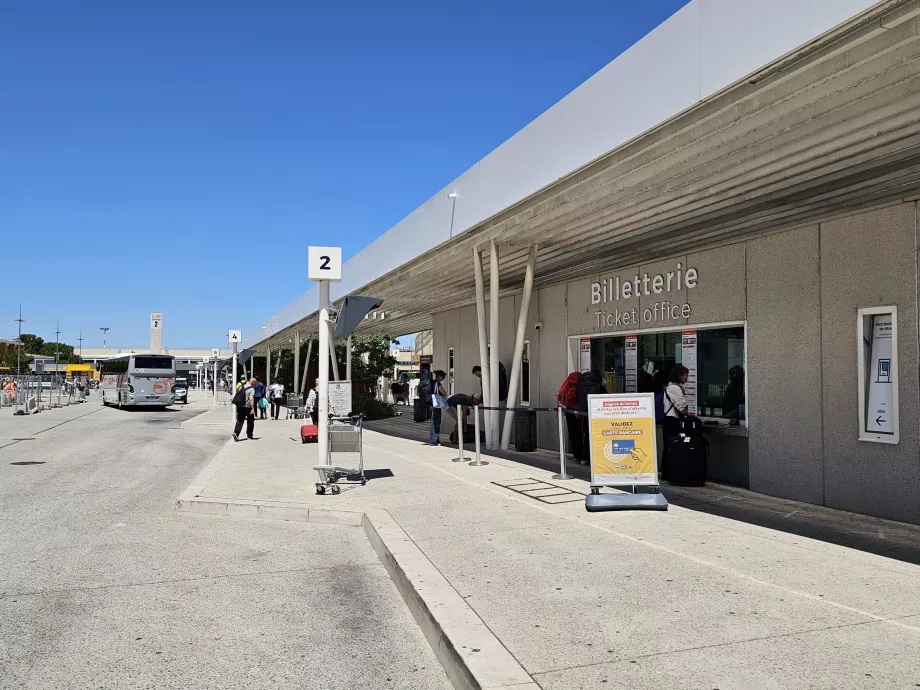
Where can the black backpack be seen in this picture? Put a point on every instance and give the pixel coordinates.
(589, 383)
(239, 399)
(424, 391)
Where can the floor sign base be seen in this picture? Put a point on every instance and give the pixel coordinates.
(595, 503)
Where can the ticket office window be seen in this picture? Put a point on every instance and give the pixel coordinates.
(720, 369)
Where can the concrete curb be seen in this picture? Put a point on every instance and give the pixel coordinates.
(472, 657)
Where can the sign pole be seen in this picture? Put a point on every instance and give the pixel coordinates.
(323, 392)
(214, 384)
(324, 265)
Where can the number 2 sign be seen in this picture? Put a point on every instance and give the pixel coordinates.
(325, 263)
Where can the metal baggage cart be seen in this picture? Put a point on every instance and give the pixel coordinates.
(345, 436)
(295, 406)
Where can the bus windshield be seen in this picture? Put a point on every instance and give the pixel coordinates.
(153, 362)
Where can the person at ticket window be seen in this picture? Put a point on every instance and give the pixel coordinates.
(733, 398)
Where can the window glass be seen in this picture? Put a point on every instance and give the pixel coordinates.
(153, 362)
(608, 358)
(720, 371)
(720, 374)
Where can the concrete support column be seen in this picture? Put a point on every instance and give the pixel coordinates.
(268, 368)
(514, 381)
(296, 361)
(483, 339)
(348, 359)
(492, 439)
(335, 364)
(306, 367)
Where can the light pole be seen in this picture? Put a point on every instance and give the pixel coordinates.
(104, 330)
(453, 207)
(19, 343)
(81, 344)
(57, 352)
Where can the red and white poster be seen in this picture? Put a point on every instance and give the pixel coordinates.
(632, 362)
(584, 355)
(688, 359)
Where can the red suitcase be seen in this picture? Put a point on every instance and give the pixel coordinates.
(309, 433)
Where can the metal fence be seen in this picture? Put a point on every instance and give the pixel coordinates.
(29, 394)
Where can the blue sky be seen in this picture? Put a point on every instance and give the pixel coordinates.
(181, 156)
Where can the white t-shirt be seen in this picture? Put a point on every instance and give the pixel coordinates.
(276, 390)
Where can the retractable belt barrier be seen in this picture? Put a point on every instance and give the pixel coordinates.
(477, 462)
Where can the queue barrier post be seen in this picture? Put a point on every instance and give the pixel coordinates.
(560, 412)
(478, 461)
(460, 434)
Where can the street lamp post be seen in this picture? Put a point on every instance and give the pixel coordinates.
(19, 344)
(104, 329)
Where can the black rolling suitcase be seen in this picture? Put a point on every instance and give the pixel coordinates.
(419, 410)
(688, 460)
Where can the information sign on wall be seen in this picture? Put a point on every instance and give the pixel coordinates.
(878, 374)
(688, 340)
(621, 429)
(584, 355)
(632, 362)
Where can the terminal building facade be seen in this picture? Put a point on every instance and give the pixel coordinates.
(737, 193)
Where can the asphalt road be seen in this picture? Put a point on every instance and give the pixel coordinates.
(104, 585)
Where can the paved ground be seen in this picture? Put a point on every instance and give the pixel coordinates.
(104, 585)
(682, 599)
(882, 537)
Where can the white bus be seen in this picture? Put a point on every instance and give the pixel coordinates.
(139, 380)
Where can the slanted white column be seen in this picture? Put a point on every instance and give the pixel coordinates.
(268, 368)
(492, 439)
(348, 359)
(297, 361)
(514, 381)
(335, 364)
(306, 367)
(483, 339)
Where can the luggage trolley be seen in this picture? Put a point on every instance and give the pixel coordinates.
(345, 436)
(295, 407)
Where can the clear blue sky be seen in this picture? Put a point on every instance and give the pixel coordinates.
(215, 135)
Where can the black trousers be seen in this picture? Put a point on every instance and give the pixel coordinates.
(576, 441)
(276, 407)
(243, 414)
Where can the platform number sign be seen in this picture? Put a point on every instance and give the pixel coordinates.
(235, 337)
(325, 263)
(156, 321)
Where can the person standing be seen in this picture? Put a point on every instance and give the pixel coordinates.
(313, 403)
(260, 396)
(438, 403)
(245, 401)
(276, 396)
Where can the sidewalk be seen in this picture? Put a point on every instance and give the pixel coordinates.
(680, 599)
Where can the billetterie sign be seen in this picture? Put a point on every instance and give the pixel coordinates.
(621, 429)
(612, 290)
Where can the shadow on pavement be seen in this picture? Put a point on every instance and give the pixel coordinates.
(897, 540)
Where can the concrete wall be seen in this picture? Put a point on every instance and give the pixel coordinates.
(784, 365)
(869, 260)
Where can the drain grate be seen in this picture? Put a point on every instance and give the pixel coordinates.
(542, 491)
(28, 462)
